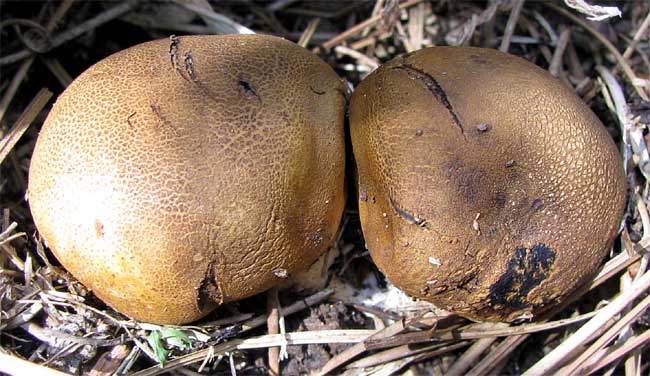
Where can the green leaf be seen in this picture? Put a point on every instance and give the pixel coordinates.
(156, 342)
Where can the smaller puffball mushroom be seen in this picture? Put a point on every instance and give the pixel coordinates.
(497, 192)
(183, 173)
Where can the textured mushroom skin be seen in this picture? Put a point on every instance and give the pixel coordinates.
(485, 185)
(180, 174)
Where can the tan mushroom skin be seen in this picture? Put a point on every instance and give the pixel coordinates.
(183, 173)
(485, 185)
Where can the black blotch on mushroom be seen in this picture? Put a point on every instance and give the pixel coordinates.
(526, 270)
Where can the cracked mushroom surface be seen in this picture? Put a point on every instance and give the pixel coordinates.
(485, 185)
(183, 173)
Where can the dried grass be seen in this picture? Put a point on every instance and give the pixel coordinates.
(50, 324)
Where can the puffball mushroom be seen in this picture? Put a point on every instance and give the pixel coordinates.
(485, 185)
(180, 174)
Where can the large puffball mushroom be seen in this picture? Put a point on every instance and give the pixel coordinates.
(183, 173)
(485, 185)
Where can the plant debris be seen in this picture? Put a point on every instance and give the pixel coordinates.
(52, 325)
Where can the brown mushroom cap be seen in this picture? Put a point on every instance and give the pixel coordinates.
(183, 173)
(485, 185)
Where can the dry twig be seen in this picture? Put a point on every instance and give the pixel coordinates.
(510, 26)
(33, 109)
(568, 346)
(15, 366)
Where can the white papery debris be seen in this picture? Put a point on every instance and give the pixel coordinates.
(633, 139)
(593, 12)
(371, 295)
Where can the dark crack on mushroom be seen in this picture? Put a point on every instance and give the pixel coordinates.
(317, 92)
(174, 56)
(527, 269)
(470, 282)
(209, 291)
(128, 118)
(248, 88)
(157, 111)
(479, 59)
(405, 56)
(406, 215)
(434, 87)
(174, 42)
(188, 61)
